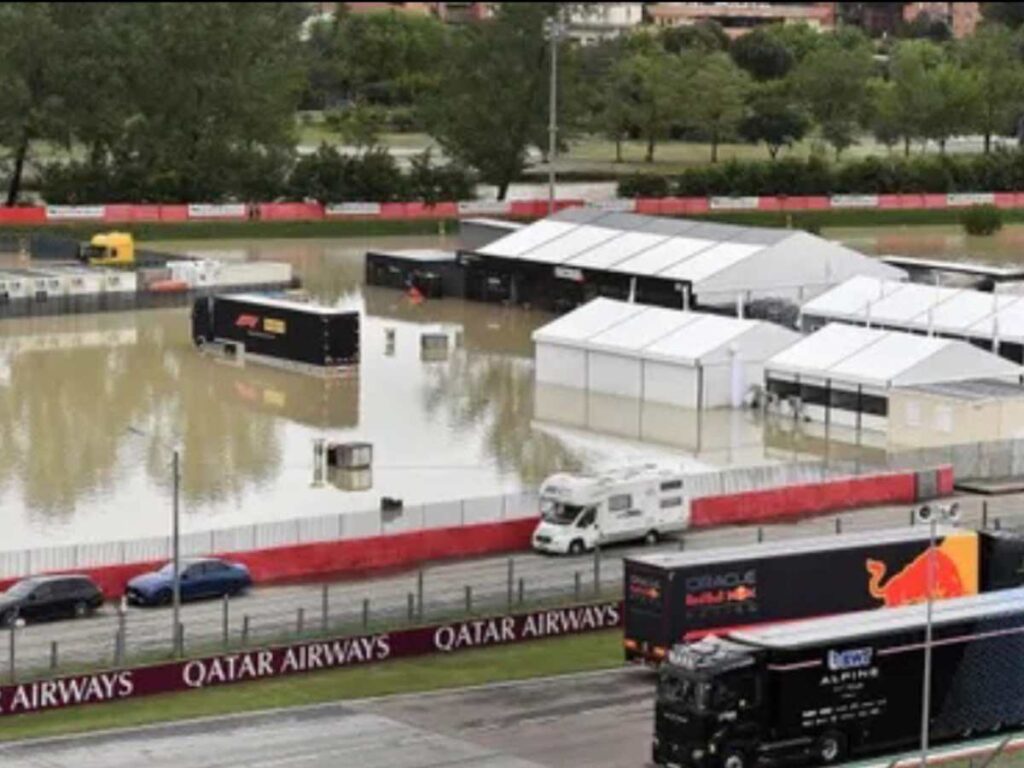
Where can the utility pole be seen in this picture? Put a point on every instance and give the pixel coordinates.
(554, 30)
(176, 548)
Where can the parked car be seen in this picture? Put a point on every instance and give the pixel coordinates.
(206, 577)
(49, 597)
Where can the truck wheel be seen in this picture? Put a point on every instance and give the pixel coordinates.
(576, 548)
(651, 538)
(831, 748)
(734, 758)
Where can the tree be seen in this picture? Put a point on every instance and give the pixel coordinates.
(212, 87)
(359, 125)
(926, 26)
(37, 72)
(763, 54)
(706, 36)
(652, 78)
(990, 55)
(494, 97)
(775, 118)
(616, 116)
(799, 39)
(380, 58)
(718, 90)
(1009, 14)
(953, 96)
(887, 115)
(832, 80)
(910, 67)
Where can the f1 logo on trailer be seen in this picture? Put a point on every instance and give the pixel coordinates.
(247, 321)
(855, 658)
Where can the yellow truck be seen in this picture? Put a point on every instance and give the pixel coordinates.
(109, 249)
(117, 249)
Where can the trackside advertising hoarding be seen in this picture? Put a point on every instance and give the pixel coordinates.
(298, 658)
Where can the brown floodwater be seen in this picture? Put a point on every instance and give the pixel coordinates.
(1005, 248)
(466, 421)
(459, 423)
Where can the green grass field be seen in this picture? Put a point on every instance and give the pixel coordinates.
(582, 653)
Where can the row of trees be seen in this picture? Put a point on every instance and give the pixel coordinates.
(167, 101)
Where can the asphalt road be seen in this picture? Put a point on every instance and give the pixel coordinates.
(273, 612)
(599, 720)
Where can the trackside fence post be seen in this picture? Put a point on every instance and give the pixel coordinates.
(225, 622)
(984, 514)
(522, 590)
(469, 599)
(300, 621)
(366, 612)
(12, 673)
(325, 609)
(511, 577)
(245, 630)
(54, 655)
(597, 570)
(577, 584)
(419, 595)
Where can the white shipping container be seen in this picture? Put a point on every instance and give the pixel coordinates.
(254, 273)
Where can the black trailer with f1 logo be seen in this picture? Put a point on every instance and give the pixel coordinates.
(277, 331)
(674, 597)
(823, 690)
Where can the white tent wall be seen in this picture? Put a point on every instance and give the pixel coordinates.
(671, 384)
(561, 365)
(797, 268)
(614, 374)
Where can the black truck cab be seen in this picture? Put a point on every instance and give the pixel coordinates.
(708, 706)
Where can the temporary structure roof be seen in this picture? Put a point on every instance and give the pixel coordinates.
(656, 333)
(714, 258)
(884, 359)
(913, 306)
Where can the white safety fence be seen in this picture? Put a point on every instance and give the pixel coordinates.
(281, 533)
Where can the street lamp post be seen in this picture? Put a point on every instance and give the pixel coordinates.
(932, 516)
(175, 545)
(554, 30)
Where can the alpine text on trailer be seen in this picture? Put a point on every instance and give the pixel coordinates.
(277, 331)
(580, 512)
(822, 690)
(680, 596)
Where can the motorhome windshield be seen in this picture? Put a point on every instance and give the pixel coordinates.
(558, 513)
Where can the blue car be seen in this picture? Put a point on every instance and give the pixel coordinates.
(206, 577)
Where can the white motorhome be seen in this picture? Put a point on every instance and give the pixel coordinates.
(581, 512)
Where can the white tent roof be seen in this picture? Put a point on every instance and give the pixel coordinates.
(654, 333)
(867, 356)
(919, 307)
(718, 257)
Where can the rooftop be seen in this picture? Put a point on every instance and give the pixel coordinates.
(705, 254)
(877, 358)
(864, 624)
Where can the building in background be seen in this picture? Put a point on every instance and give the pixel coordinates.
(887, 18)
(591, 23)
(739, 18)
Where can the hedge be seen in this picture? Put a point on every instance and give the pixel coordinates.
(1001, 171)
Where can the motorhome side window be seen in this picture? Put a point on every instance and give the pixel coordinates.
(587, 518)
(672, 485)
(620, 503)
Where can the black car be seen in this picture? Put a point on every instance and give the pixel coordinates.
(49, 597)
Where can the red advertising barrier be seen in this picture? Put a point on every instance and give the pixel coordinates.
(299, 658)
(519, 209)
(117, 213)
(791, 502)
(27, 215)
(290, 211)
(346, 557)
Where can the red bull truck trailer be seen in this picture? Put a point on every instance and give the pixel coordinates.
(824, 690)
(681, 596)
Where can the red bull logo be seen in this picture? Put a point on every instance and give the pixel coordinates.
(953, 574)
